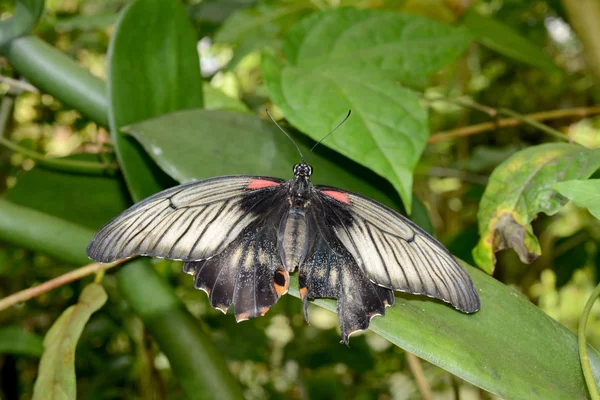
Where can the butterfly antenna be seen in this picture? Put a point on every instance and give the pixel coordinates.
(286, 134)
(333, 130)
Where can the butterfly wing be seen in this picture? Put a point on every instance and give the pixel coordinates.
(189, 222)
(395, 253)
(331, 271)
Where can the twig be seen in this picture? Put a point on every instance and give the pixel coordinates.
(415, 367)
(67, 165)
(527, 120)
(69, 277)
(15, 83)
(584, 359)
(511, 122)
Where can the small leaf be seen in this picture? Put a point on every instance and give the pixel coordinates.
(153, 69)
(25, 16)
(17, 341)
(352, 59)
(500, 37)
(519, 189)
(56, 374)
(261, 25)
(404, 46)
(583, 193)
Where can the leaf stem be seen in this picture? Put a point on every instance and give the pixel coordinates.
(57, 282)
(464, 131)
(64, 165)
(583, 355)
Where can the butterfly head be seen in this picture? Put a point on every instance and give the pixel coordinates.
(303, 170)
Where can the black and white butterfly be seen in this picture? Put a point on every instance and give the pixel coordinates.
(241, 237)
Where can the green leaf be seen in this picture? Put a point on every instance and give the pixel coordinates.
(17, 341)
(503, 348)
(583, 193)
(509, 347)
(404, 46)
(500, 37)
(519, 189)
(24, 18)
(153, 69)
(252, 28)
(387, 131)
(56, 374)
(72, 196)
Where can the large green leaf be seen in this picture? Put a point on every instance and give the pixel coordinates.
(15, 340)
(56, 374)
(509, 347)
(248, 145)
(503, 39)
(519, 189)
(25, 16)
(584, 193)
(153, 69)
(352, 59)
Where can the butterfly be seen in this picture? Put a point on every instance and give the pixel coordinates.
(242, 236)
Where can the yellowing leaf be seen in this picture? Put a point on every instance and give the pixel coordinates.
(519, 189)
(583, 193)
(56, 374)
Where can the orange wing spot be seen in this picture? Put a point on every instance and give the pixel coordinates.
(241, 317)
(339, 196)
(263, 311)
(302, 293)
(260, 184)
(281, 282)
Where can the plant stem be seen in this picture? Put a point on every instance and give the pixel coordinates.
(63, 165)
(62, 280)
(414, 363)
(511, 122)
(527, 120)
(583, 355)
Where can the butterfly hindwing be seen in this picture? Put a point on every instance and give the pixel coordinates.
(394, 252)
(189, 222)
(330, 271)
(248, 273)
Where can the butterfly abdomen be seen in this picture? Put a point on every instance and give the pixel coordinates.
(293, 238)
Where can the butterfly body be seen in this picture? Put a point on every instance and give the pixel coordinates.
(241, 237)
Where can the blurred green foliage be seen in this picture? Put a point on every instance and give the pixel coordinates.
(279, 356)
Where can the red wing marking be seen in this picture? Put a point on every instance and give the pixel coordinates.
(339, 196)
(260, 184)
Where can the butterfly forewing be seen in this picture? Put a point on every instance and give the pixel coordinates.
(395, 253)
(188, 222)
